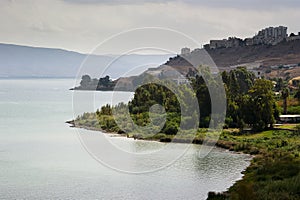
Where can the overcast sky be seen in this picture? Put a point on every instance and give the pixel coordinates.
(80, 25)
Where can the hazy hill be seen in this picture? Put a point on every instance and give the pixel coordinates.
(24, 61)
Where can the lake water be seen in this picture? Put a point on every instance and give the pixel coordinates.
(41, 157)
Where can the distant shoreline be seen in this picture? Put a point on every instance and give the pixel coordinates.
(34, 77)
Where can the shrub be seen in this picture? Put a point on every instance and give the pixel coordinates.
(293, 110)
(170, 129)
(216, 196)
(297, 130)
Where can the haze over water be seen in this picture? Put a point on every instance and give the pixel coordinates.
(41, 157)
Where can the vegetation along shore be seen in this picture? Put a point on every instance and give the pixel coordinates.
(253, 108)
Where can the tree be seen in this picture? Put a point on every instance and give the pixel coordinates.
(258, 105)
(237, 84)
(238, 81)
(285, 94)
(297, 95)
(279, 85)
(85, 81)
(104, 81)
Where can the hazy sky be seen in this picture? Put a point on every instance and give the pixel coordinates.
(80, 25)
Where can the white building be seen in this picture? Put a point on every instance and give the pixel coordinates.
(271, 35)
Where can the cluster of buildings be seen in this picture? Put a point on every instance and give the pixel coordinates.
(169, 73)
(267, 36)
(225, 43)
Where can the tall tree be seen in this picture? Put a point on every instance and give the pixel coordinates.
(237, 84)
(285, 94)
(259, 106)
(297, 95)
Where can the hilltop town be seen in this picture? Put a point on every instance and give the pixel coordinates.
(272, 53)
(267, 36)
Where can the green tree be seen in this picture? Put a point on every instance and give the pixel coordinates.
(237, 84)
(258, 105)
(238, 81)
(297, 94)
(285, 94)
(279, 85)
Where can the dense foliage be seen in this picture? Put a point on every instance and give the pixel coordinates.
(250, 102)
(274, 172)
(87, 83)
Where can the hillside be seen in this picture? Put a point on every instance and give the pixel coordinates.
(280, 54)
(271, 61)
(25, 61)
(265, 55)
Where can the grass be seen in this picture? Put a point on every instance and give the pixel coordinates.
(274, 171)
(290, 102)
(287, 126)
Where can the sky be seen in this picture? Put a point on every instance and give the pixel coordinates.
(83, 25)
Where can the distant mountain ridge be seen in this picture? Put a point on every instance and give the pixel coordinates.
(26, 61)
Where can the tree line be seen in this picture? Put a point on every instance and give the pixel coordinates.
(250, 102)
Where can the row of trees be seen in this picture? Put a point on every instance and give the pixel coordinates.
(250, 102)
(87, 83)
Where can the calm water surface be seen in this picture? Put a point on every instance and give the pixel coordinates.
(42, 158)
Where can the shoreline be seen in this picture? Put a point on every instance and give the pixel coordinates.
(272, 165)
(226, 147)
(220, 143)
(136, 137)
(73, 125)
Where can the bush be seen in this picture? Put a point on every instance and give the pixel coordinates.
(293, 110)
(216, 196)
(297, 130)
(158, 136)
(170, 129)
(268, 71)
